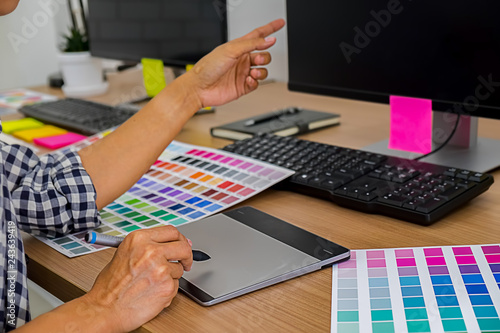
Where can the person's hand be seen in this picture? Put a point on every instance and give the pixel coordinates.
(142, 278)
(228, 72)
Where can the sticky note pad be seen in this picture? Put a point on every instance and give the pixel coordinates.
(44, 131)
(411, 124)
(154, 77)
(11, 126)
(58, 141)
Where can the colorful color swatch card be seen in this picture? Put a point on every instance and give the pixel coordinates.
(185, 184)
(11, 100)
(434, 289)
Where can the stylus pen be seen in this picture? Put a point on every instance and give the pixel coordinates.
(269, 117)
(93, 237)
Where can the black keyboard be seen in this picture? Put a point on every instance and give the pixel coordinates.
(405, 189)
(78, 115)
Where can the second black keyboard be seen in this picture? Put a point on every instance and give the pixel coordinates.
(405, 189)
(78, 115)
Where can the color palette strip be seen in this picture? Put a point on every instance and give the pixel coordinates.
(185, 184)
(434, 289)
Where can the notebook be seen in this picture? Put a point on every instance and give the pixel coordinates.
(285, 122)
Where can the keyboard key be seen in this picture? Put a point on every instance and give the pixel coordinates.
(423, 198)
(316, 181)
(391, 199)
(466, 183)
(410, 205)
(331, 184)
(464, 174)
(353, 193)
(367, 196)
(478, 177)
(342, 190)
(401, 178)
(376, 173)
(430, 205)
(452, 192)
(451, 172)
(302, 178)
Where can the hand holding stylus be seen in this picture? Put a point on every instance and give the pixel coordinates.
(93, 237)
(144, 272)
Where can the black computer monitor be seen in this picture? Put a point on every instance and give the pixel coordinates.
(447, 51)
(179, 32)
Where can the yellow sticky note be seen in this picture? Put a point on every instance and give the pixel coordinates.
(42, 132)
(154, 77)
(189, 67)
(11, 126)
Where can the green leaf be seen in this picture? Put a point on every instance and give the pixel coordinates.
(76, 41)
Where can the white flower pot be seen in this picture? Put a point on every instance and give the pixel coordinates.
(82, 74)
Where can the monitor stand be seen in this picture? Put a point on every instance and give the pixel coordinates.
(465, 150)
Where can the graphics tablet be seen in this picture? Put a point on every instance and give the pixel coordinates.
(250, 250)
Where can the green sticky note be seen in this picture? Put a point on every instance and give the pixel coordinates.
(11, 126)
(154, 77)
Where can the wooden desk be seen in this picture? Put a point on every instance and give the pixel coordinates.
(302, 304)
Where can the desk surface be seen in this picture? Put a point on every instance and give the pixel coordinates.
(301, 304)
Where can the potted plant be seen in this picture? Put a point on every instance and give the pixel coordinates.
(82, 74)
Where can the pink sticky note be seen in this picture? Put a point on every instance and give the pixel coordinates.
(411, 124)
(58, 141)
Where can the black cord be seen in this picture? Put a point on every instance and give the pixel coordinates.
(445, 142)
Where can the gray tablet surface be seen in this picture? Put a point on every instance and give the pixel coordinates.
(250, 250)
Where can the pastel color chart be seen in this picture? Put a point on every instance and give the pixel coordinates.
(434, 289)
(15, 98)
(185, 184)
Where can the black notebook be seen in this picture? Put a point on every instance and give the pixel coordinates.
(285, 122)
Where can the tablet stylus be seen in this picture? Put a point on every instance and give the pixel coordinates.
(93, 237)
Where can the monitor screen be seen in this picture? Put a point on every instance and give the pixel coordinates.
(447, 51)
(179, 32)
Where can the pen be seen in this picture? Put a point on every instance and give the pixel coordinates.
(271, 116)
(93, 237)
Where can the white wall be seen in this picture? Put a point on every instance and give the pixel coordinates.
(29, 37)
(28, 42)
(245, 15)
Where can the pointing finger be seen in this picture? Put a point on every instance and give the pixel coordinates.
(264, 30)
(236, 49)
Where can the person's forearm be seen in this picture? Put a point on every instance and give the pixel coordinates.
(117, 161)
(78, 315)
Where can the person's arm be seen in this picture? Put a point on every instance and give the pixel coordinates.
(117, 161)
(132, 289)
(141, 279)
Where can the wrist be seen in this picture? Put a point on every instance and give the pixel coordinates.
(186, 86)
(98, 316)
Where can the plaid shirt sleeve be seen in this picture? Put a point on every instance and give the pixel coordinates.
(52, 194)
(49, 195)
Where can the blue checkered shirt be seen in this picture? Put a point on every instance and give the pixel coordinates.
(50, 195)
